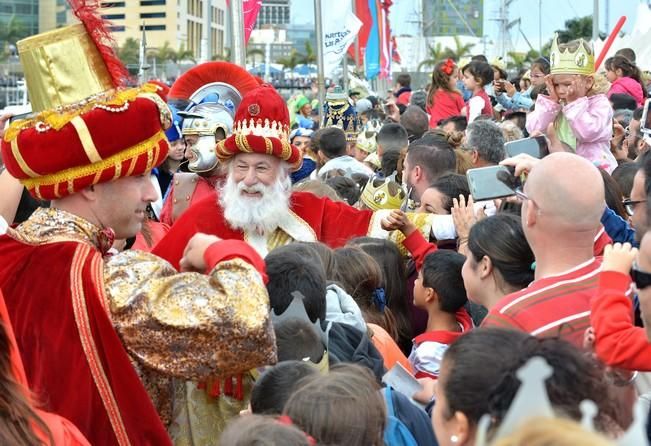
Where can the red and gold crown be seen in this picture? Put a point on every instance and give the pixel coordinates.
(261, 126)
(86, 127)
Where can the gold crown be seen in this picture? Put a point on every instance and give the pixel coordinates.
(368, 145)
(377, 194)
(580, 61)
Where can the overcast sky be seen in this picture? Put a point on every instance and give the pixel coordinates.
(554, 15)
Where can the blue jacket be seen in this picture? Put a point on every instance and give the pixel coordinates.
(617, 228)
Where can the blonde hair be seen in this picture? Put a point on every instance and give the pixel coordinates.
(511, 131)
(552, 432)
(464, 162)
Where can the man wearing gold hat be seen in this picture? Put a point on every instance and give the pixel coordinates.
(101, 334)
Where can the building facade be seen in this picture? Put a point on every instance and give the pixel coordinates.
(18, 19)
(273, 12)
(453, 18)
(198, 26)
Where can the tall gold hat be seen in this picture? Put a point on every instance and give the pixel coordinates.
(578, 61)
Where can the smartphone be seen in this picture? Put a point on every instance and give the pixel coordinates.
(536, 147)
(19, 116)
(485, 183)
(645, 122)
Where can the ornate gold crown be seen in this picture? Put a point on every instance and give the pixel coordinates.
(377, 194)
(580, 61)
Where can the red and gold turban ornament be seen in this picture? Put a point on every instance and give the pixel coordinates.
(261, 126)
(86, 127)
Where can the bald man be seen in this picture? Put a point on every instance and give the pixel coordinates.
(561, 219)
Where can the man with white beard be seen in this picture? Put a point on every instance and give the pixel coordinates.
(256, 203)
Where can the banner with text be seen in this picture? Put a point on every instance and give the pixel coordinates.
(340, 27)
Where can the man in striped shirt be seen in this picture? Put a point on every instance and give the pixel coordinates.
(561, 217)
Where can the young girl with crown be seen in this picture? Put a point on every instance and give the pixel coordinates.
(576, 107)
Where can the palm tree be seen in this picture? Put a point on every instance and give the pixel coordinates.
(13, 31)
(224, 56)
(517, 59)
(185, 54)
(129, 53)
(460, 49)
(252, 52)
(292, 60)
(436, 54)
(309, 57)
(166, 54)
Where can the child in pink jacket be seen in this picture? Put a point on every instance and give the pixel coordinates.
(625, 78)
(581, 116)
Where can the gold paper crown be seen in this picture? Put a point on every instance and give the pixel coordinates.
(368, 145)
(377, 194)
(579, 61)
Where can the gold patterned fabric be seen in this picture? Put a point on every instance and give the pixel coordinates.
(185, 325)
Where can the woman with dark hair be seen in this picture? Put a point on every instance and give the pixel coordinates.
(387, 255)
(21, 424)
(614, 196)
(437, 199)
(499, 260)
(479, 377)
(361, 276)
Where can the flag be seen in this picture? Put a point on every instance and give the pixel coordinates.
(372, 53)
(362, 12)
(340, 26)
(385, 39)
(395, 55)
(250, 10)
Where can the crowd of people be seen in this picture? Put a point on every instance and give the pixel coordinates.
(205, 263)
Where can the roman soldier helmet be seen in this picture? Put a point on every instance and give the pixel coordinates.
(214, 91)
(77, 88)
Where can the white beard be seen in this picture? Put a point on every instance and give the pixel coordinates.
(256, 214)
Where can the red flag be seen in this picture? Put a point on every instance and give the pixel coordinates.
(362, 12)
(250, 8)
(395, 55)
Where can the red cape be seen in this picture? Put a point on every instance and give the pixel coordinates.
(332, 223)
(74, 359)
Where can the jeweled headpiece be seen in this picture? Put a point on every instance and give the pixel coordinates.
(340, 112)
(79, 99)
(261, 126)
(579, 61)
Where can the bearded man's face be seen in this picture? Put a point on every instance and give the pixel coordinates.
(256, 194)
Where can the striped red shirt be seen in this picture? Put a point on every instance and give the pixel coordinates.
(555, 306)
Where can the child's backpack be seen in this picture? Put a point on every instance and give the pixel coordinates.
(396, 432)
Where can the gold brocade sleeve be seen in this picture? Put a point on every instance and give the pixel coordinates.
(423, 222)
(190, 325)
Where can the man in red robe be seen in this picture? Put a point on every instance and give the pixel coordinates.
(256, 204)
(101, 336)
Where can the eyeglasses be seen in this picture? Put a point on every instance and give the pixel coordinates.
(629, 205)
(641, 278)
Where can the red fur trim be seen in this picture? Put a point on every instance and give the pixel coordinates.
(87, 11)
(209, 72)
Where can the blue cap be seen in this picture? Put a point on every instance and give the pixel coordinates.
(174, 132)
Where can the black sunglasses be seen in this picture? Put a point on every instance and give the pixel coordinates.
(642, 279)
(629, 205)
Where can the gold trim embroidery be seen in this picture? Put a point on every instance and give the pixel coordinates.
(88, 344)
(86, 139)
(82, 171)
(20, 160)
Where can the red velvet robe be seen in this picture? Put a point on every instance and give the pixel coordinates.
(65, 335)
(331, 222)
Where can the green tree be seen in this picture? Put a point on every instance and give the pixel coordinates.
(223, 56)
(435, 55)
(10, 34)
(577, 28)
(251, 53)
(460, 50)
(292, 60)
(309, 57)
(166, 54)
(129, 52)
(184, 54)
